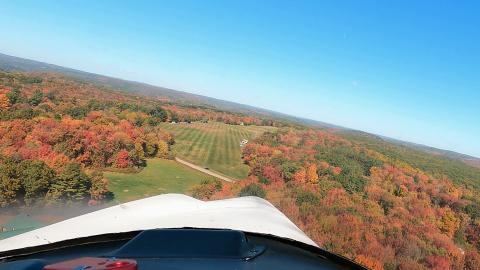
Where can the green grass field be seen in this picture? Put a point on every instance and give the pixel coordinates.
(214, 145)
(160, 176)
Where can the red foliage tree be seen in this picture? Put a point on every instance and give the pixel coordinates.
(122, 159)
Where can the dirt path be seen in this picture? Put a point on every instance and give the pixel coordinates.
(209, 172)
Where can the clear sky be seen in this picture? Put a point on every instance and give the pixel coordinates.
(405, 69)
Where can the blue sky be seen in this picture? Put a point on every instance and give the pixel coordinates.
(406, 69)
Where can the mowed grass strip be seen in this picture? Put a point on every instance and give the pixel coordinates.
(159, 177)
(214, 145)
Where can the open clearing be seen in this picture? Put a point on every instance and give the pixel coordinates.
(214, 145)
(160, 176)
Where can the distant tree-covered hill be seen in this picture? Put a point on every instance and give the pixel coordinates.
(11, 63)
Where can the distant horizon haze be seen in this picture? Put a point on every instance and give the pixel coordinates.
(407, 71)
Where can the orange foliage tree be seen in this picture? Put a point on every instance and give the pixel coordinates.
(311, 174)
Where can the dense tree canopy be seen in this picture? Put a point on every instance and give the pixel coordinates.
(53, 130)
(355, 201)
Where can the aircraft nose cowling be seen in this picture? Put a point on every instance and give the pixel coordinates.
(249, 214)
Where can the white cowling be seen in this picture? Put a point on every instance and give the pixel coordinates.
(249, 214)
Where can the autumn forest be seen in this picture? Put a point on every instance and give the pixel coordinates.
(380, 204)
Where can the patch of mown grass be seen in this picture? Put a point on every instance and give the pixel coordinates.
(158, 177)
(214, 145)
